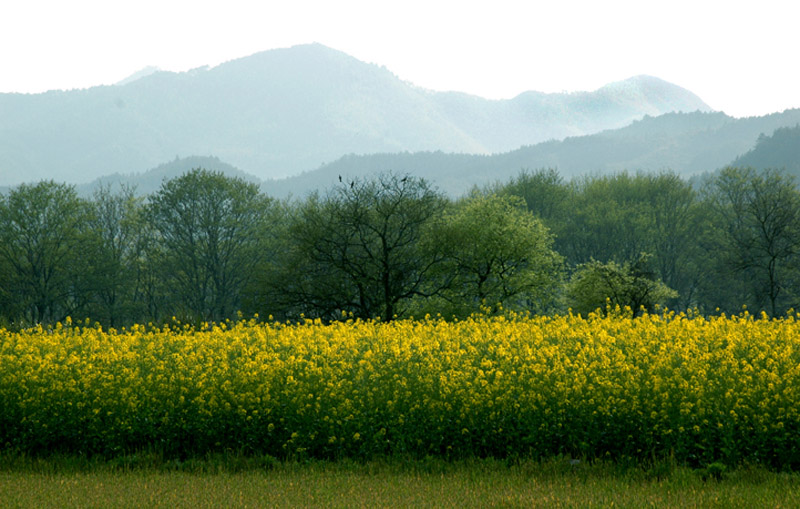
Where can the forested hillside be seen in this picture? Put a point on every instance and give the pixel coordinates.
(780, 150)
(685, 143)
(150, 181)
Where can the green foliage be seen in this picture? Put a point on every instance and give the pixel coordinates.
(546, 195)
(206, 246)
(355, 250)
(756, 240)
(494, 253)
(715, 471)
(617, 217)
(117, 228)
(595, 285)
(210, 237)
(43, 232)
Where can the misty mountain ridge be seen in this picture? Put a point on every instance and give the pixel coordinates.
(281, 112)
(141, 73)
(693, 145)
(688, 144)
(780, 150)
(150, 181)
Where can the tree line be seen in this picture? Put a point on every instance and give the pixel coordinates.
(206, 247)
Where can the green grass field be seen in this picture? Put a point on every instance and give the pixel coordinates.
(422, 483)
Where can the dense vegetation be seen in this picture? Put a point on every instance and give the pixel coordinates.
(696, 390)
(206, 246)
(560, 346)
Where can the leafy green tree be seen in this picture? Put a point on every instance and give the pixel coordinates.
(356, 250)
(676, 222)
(758, 237)
(617, 217)
(545, 194)
(116, 226)
(153, 296)
(594, 285)
(9, 307)
(42, 239)
(210, 230)
(608, 219)
(494, 252)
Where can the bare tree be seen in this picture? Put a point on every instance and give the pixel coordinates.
(357, 249)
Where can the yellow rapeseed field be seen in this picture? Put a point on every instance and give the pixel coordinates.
(693, 388)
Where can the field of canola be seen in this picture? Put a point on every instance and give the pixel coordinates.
(693, 388)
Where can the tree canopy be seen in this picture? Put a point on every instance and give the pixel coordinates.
(206, 246)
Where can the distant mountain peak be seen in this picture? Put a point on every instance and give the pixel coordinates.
(638, 81)
(283, 111)
(141, 73)
(656, 94)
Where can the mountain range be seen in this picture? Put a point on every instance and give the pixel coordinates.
(692, 145)
(688, 144)
(283, 112)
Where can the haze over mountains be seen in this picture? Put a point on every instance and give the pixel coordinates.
(283, 112)
(686, 143)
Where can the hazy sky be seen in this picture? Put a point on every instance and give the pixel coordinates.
(740, 57)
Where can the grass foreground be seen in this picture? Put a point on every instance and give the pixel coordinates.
(233, 481)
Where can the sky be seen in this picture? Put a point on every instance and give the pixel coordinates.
(739, 57)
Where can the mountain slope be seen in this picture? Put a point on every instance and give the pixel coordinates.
(780, 150)
(280, 112)
(534, 117)
(686, 143)
(150, 181)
